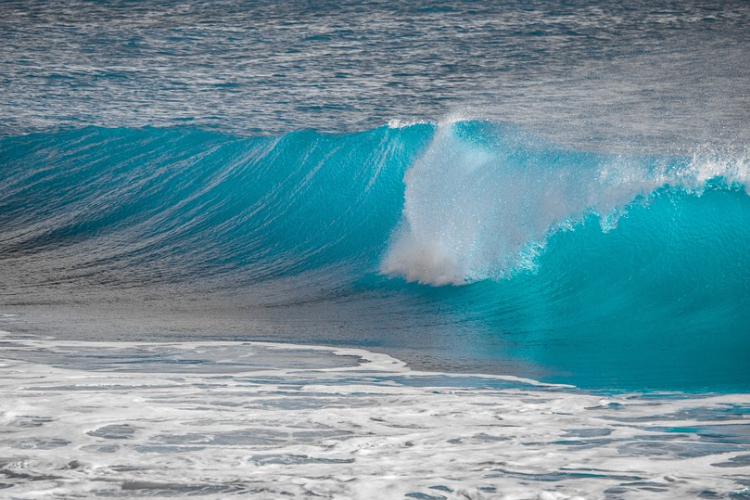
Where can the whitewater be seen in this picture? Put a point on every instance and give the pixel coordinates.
(226, 419)
(374, 250)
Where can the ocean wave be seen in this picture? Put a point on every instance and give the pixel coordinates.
(447, 204)
(583, 258)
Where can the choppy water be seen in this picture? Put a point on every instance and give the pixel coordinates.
(638, 75)
(550, 191)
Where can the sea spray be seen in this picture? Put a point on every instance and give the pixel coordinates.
(484, 198)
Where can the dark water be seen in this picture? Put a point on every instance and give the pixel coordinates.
(555, 190)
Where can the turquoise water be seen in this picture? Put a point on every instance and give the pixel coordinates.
(482, 242)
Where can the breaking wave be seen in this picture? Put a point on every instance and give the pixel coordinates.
(545, 241)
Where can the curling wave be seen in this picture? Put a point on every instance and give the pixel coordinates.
(583, 255)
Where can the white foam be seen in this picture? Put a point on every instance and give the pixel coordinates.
(398, 123)
(76, 423)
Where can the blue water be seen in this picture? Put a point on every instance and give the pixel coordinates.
(555, 191)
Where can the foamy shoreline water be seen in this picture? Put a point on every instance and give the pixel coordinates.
(224, 419)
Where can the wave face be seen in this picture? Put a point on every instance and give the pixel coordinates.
(603, 270)
(167, 205)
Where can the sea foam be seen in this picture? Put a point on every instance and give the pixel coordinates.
(218, 419)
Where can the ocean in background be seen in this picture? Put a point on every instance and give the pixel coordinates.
(539, 202)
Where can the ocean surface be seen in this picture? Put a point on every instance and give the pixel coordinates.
(431, 250)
